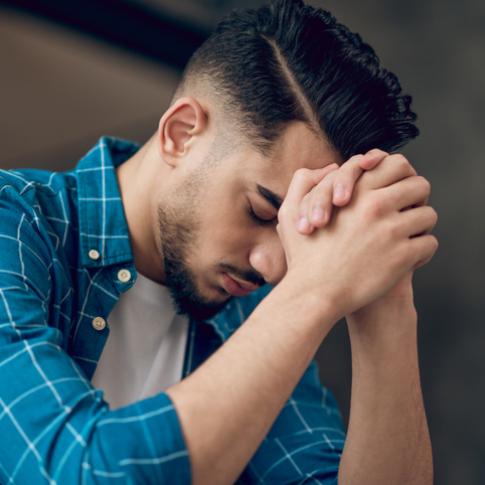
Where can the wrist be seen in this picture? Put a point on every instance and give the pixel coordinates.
(382, 339)
(319, 307)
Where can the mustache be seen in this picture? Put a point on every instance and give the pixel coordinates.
(249, 275)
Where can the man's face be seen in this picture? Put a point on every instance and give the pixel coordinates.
(217, 227)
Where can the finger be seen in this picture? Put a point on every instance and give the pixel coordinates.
(372, 158)
(345, 180)
(409, 192)
(339, 193)
(423, 262)
(320, 207)
(350, 172)
(302, 182)
(416, 222)
(390, 170)
(422, 248)
(305, 224)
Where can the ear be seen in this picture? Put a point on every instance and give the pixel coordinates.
(178, 128)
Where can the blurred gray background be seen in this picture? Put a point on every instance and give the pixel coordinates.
(71, 73)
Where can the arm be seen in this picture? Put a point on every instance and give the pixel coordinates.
(241, 388)
(229, 403)
(387, 413)
(53, 424)
(388, 439)
(305, 442)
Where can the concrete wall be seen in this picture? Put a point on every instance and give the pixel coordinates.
(59, 92)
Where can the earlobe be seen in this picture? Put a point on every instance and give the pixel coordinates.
(178, 128)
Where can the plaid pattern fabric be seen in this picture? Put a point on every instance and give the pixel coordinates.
(63, 241)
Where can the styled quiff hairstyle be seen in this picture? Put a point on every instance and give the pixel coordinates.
(288, 61)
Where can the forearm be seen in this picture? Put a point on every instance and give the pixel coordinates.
(228, 404)
(388, 439)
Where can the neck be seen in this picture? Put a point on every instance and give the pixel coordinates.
(136, 184)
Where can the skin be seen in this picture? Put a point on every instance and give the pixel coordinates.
(225, 233)
(384, 207)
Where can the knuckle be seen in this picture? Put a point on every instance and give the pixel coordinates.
(400, 256)
(406, 254)
(325, 189)
(425, 183)
(354, 168)
(434, 215)
(434, 243)
(394, 230)
(332, 168)
(351, 166)
(377, 151)
(354, 158)
(306, 200)
(321, 201)
(352, 162)
(327, 180)
(282, 212)
(403, 164)
(400, 160)
(322, 189)
(365, 180)
(301, 173)
(344, 178)
(375, 208)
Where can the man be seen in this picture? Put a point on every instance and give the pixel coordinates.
(160, 306)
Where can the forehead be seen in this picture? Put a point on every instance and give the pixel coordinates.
(298, 147)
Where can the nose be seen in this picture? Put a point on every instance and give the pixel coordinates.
(268, 259)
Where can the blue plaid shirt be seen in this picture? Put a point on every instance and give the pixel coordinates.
(63, 240)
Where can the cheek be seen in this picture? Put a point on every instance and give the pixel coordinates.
(225, 239)
(225, 230)
(228, 242)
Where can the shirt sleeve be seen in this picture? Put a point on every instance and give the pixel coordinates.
(55, 426)
(306, 441)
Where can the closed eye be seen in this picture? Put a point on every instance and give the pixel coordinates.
(260, 220)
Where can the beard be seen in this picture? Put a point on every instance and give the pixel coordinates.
(178, 240)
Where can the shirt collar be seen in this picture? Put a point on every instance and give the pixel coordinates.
(236, 312)
(103, 229)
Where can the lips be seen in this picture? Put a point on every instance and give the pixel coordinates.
(237, 287)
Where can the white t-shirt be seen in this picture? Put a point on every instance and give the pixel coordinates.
(144, 353)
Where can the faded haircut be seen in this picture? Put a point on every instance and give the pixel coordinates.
(287, 61)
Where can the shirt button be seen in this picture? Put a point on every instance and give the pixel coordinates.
(93, 254)
(124, 275)
(99, 323)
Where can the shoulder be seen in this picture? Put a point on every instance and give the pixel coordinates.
(29, 182)
(22, 222)
(15, 199)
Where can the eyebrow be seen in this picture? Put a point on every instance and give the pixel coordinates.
(274, 199)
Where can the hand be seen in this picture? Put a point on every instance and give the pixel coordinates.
(372, 232)
(386, 319)
(335, 188)
(398, 299)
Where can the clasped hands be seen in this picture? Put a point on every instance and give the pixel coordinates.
(357, 233)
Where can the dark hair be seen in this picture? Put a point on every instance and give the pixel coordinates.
(289, 61)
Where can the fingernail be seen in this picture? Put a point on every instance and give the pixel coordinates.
(303, 224)
(339, 192)
(318, 214)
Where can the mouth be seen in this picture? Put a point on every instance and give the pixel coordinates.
(237, 287)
